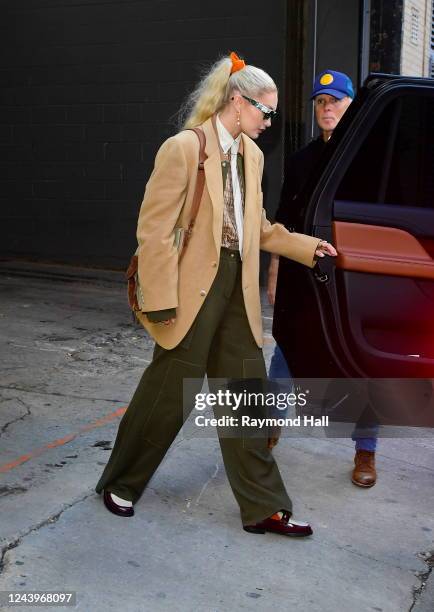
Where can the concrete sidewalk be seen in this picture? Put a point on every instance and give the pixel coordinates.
(70, 360)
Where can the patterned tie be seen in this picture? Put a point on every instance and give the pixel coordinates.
(237, 195)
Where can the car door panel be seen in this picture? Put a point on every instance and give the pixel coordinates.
(380, 250)
(417, 221)
(371, 311)
(387, 323)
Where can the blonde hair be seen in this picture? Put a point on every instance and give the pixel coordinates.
(216, 87)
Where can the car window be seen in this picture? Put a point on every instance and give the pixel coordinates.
(394, 164)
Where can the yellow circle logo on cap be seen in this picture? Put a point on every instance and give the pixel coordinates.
(326, 79)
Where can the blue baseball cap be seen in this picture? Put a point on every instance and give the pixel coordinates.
(333, 83)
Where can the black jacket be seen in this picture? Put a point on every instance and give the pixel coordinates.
(293, 200)
(298, 167)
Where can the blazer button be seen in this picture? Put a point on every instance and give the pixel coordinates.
(202, 292)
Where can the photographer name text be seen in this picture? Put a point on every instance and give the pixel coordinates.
(248, 421)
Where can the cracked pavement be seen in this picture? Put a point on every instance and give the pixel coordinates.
(70, 359)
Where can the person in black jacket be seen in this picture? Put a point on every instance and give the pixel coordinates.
(332, 94)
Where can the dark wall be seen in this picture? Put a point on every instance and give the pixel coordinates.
(338, 25)
(333, 39)
(386, 36)
(88, 92)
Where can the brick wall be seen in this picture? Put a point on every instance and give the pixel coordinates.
(89, 90)
(416, 29)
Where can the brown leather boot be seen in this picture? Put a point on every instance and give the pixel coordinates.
(364, 474)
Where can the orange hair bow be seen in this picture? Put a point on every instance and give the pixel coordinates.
(237, 63)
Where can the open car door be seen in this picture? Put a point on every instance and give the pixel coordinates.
(370, 311)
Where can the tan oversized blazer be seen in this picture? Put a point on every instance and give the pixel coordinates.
(185, 287)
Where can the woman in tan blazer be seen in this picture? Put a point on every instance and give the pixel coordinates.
(204, 310)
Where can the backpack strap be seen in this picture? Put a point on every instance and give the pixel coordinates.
(200, 184)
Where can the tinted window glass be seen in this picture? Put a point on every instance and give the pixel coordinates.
(395, 162)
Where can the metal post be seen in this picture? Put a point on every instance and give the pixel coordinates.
(364, 46)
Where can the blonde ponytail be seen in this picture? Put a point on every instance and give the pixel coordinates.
(216, 87)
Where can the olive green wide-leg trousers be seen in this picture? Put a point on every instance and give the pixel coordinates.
(221, 345)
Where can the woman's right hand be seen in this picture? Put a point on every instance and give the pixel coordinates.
(325, 248)
(168, 322)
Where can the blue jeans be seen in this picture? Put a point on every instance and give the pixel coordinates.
(278, 366)
(364, 435)
(279, 370)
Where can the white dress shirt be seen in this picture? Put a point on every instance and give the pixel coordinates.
(227, 142)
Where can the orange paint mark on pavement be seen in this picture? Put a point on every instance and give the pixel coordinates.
(60, 441)
(7, 467)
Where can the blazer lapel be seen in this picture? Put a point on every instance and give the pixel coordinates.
(251, 191)
(214, 180)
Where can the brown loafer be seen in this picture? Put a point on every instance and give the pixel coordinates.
(115, 508)
(283, 526)
(364, 473)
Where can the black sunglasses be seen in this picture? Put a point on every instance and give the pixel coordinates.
(265, 110)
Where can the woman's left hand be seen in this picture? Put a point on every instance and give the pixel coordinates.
(325, 248)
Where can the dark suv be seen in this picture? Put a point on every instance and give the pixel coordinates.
(370, 311)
